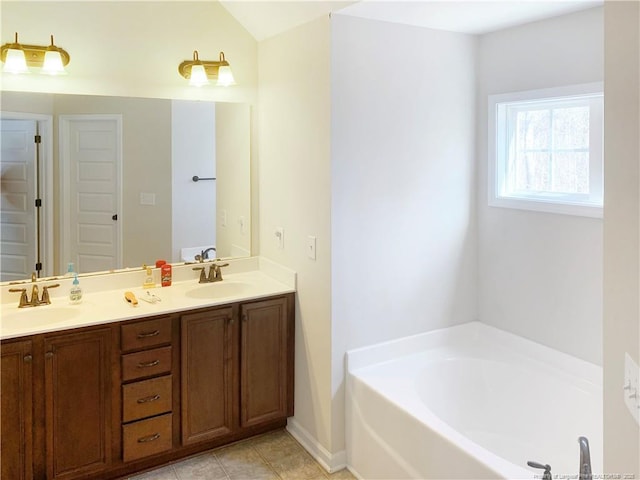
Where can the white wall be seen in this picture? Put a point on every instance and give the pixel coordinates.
(621, 230)
(193, 152)
(233, 187)
(132, 48)
(402, 184)
(294, 193)
(540, 274)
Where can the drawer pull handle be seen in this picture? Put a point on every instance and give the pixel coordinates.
(152, 398)
(153, 363)
(149, 334)
(149, 438)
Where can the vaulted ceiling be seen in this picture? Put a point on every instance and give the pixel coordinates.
(266, 18)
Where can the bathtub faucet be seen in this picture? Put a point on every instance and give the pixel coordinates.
(547, 469)
(585, 459)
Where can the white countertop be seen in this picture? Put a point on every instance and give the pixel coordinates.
(103, 298)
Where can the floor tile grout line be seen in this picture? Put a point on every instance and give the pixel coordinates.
(302, 452)
(267, 462)
(215, 455)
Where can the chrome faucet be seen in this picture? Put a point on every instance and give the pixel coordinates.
(35, 300)
(215, 274)
(585, 459)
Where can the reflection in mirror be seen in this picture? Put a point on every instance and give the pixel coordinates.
(114, 176)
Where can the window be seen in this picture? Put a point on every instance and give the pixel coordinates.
(545, 150)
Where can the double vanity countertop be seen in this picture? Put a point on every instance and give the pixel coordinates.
(104, 302)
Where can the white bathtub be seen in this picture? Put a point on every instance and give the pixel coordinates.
(469, 402)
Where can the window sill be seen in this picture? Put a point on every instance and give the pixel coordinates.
(581, 210)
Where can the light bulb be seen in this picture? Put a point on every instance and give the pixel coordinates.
(15, 62)
(198, 76)
(53, 63)
(225, 76)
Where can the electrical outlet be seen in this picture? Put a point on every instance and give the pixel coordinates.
(279, 233)
(631, 388)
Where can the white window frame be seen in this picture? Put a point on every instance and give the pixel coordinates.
(582, 205)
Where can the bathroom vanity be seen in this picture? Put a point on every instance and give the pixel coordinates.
(106, 398)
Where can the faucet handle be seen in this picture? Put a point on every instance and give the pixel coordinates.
(45, 293)
(203, 276)
(215, 274)
(24, 300)
(547, 469)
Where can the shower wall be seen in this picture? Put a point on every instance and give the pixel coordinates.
(540, 274)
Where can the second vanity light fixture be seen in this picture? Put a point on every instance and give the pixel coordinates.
(198, 72)
(19, 57)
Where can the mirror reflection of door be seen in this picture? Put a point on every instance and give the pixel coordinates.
(17, 208)
(90, 164)
(25, 201)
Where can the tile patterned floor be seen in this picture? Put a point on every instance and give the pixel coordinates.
(272, 456)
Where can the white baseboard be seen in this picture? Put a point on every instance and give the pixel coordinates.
(331, 462)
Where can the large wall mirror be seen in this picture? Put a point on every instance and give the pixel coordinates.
(111, 183)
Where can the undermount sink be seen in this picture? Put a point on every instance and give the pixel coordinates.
(36, 316)
(218, 290)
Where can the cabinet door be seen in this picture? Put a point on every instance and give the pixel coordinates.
(208, 375)
(78, 403)
(265, 363)
(16, 412)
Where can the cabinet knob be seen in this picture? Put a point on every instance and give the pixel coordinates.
(28, 358)
(48, 355)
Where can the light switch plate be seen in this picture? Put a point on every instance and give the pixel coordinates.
(631, 388)
(223, 218)
(147, 198)
(311, 247)
(243, 223)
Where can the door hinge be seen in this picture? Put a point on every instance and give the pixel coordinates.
(37, 139)
(38, 202)
(38, 266)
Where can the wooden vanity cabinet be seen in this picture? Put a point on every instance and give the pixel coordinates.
(209, 359)
(236, 375)
(56, 405)
(147, 387)
(266, 390)
(104, 402)
(77, 380)
(16, 397)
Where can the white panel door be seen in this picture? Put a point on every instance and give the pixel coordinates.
(91, 156)
(17, 199)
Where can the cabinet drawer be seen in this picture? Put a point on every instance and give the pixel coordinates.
(149, 333)
(146, 437)
(146, 398)
(146, 364)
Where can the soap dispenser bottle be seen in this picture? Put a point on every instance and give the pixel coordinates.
(75, 294)
(70, 270)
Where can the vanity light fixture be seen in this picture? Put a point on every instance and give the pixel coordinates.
(18, 58)
(198, 72)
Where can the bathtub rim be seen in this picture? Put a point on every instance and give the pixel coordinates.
(359, 360)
